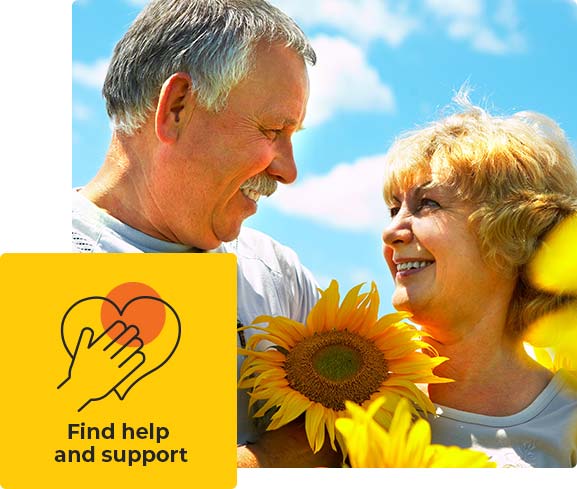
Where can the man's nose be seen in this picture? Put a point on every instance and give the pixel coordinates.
(283, 168)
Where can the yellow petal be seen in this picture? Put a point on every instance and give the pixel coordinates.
(554, 267)
(417, 442)
(319, 318)
(291, 408)
(330, 419)
(315, 427)
(454, 457)
(348, 309)
(332, 305)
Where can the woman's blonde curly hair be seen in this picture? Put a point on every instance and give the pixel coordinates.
(518, 171)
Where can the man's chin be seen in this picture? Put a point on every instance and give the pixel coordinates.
(228, 235)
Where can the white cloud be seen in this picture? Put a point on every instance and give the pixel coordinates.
(81, 112)
(466, 21)
(487, 41)
(360, 275)
(349, 197)
(90, 75)
(343, 80)
(506, 14)
(365, 21)
(361, 20)
(455, 8)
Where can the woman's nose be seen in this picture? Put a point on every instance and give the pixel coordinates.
(399, 230)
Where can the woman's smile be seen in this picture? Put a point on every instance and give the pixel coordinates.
(408, 268)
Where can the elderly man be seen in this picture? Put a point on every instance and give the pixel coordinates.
(204, 97)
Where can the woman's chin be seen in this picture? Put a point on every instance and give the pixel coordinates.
(402, 305)
(418, 313)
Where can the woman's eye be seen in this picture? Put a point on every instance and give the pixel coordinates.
(393, 211)
(428, 203)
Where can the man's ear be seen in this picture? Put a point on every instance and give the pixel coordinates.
(175, 106)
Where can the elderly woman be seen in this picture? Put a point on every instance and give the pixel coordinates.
(471, 197)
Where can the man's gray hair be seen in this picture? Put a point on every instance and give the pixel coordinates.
(211, 40)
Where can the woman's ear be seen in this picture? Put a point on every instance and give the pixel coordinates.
(175, 105)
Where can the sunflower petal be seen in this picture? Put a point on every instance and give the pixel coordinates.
(293, 406)
(315, 426)
(553, 267)
(348, 307)
(417, 441)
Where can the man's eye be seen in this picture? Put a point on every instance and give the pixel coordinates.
(272, 134)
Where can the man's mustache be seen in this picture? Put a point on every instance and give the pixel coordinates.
(262, 183)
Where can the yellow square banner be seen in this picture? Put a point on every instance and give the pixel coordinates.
(117, 371)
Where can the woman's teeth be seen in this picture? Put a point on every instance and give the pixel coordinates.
(409, 265)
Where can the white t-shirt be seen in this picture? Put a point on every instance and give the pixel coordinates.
(271, 280)
(544, 434)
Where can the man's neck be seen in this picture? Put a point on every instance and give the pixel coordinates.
(119, 188)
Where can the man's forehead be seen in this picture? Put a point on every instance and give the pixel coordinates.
(276, 84)
(279, 115)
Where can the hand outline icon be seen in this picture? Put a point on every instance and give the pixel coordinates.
(99, 365)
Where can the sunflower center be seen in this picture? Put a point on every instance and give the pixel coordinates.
(337, 362)
(336, 366)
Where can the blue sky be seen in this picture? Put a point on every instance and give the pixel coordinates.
(384, 67)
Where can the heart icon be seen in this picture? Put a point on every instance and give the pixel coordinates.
(157, 322)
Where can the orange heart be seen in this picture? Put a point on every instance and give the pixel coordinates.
(126, 303)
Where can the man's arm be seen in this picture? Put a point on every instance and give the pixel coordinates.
(286, 447)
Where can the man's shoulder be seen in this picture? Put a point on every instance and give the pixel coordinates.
(257, 253)
(82, 242)
(256, 245)
(271, 278)
(252, 238)
(95, 232)
(85, 230)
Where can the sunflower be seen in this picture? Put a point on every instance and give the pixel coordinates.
(552, 339)
(407, 443)
(342, 353)
(554, 267)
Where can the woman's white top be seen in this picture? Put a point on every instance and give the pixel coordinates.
(544, 434)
